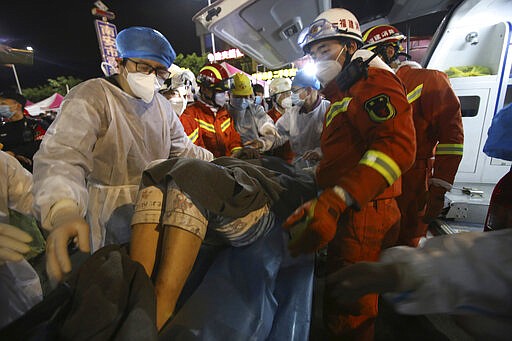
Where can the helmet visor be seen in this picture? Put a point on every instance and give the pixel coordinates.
(317, 30)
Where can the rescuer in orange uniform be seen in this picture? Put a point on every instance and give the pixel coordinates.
(368, 141)
(207, 121)
(438, 122)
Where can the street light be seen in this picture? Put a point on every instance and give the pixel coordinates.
(211, 34)
(17, 80)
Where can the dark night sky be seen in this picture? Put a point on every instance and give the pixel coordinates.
(64, 39)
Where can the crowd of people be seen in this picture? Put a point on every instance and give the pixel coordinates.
(169, 162)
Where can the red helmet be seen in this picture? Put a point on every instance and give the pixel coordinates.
(381, 34)
(214, 76)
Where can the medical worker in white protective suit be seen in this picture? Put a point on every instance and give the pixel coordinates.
(303, 123)
(20, 288)
(180, 90)
(90, 162)
(251, 120)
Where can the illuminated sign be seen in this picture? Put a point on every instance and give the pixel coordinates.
(222, 55)
(107, 33)
(264, 76)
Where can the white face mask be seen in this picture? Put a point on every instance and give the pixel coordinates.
(296, 100)
(286, 103)
(178, 105)
(159, 82)
(220, 99)
(142, 86)
(327, 70)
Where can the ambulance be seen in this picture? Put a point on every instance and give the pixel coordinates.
(472, 44)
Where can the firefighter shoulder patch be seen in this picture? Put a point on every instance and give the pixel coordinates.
(379, 108)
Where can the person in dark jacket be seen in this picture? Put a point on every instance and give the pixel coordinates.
(20, 135)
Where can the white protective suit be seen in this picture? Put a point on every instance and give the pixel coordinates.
(95, 151)
(15, 188)
(20, 288)
(252, 122)
(302, 129)
(467, 274)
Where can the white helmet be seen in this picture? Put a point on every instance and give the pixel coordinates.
(279, 85)
(182, 79)
(331, 24)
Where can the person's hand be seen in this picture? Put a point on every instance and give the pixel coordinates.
(268, 129)
(321, 218)
(435, 203)
(247, 153)
(350, 283)
(13, 243)
(256, 144)
(57, 258)
(312, 155)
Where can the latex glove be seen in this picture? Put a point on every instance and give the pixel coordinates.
(321, 221)
(350, 283)
(268, 129)
(247, 153)
(13, 243)
(435, 203)
(57, 257)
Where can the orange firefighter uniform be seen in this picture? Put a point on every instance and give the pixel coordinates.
(367, 143)
(438, 122)
(215, 132)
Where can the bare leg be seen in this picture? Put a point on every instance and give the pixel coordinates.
(143, 245)
(179, 252)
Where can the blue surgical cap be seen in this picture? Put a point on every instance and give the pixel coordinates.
(303, 79)
(147, 43)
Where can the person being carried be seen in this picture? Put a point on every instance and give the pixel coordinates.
(178, 203)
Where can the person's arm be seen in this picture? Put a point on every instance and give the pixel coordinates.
(234, 141)
(465, 273)
(442, 104)
(272, 141)
(61, 167)
(19, 184)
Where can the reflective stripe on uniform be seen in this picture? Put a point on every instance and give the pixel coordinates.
(449, 149)
(415, 94)
(225, 125)
(383, 164)
(214, 70)
(206, 126)
(235, 149)
(194, 135)
(336, 109)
